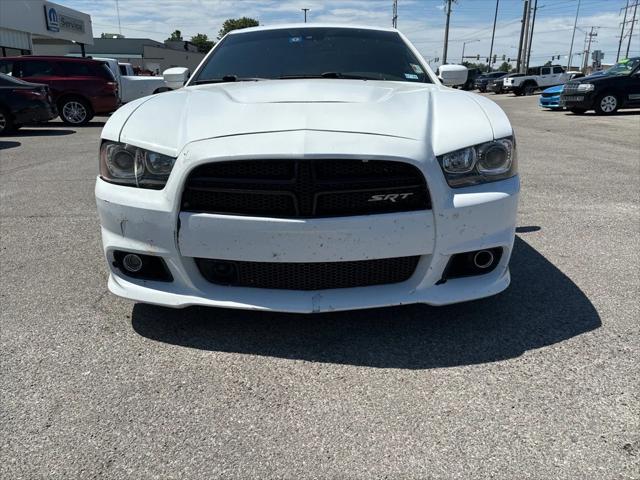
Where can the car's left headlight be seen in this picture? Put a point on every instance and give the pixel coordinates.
(486, 162)
(586, 87)
(133, 166)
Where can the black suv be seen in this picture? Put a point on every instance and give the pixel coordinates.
(605, 92)
(483, 80)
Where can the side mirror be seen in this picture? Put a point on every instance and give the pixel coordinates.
(176, 77)
(451, 75)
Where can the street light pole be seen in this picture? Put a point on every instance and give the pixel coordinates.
(575, 24)
(464, 44)
(305, 10)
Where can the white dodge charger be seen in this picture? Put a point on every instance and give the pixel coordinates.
(306, 169)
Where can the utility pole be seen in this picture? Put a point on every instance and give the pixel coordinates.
(575, 24)
(524, 19)
(533, 24)
(635, 10)
(624, 21)
(525, 43)
(394, 18)
(305, 10)
(585, 63)
(495, 17)
(446, 32)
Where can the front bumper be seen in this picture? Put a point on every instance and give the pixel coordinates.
(461, 220)
(550, 102)
(577, 100)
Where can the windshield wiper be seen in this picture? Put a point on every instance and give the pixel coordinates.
(228, 78)
(347, 76)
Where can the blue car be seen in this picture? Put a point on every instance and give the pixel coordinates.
(550, 97)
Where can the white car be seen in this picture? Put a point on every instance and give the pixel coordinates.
(307, 169)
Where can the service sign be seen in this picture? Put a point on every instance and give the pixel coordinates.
(57, 21)
(51, 18)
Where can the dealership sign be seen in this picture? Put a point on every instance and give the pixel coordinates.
(57, 21)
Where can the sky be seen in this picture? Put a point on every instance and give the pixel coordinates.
(422, 21)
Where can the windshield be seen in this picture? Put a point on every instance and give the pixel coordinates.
(624, 67)
(313, 53)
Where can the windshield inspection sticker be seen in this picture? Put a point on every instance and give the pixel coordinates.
(411, 76)
(416, 68)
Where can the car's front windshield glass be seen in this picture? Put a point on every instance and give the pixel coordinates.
(625, 67)
(311, 53)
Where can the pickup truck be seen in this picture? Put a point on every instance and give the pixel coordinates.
(131, 87)
(537, 78)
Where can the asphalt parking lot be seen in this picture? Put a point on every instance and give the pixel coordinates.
(540, 382)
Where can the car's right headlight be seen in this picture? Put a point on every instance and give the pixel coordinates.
(486, 162)
(133, 166)
(586, 87)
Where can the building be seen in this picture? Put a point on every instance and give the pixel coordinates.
(25, 22)
(140, 52)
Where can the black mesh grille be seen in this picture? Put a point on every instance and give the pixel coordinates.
(308, 276)
(570, 88)
(305, 188)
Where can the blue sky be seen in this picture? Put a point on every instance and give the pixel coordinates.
(421, 20)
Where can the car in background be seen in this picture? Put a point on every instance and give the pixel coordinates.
(23, 102)
(605, 92)
(550, 98)
(130, 86)
(80, 87)
(482, 81)
(537, 78)
(497, 84)
(472, 74)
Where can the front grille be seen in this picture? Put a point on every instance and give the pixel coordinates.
(570, 88)
(305, 188)
(548, 95)
(308, 276)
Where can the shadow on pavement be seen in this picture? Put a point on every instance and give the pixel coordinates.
(41, 132)
(541, 307)
(4, 145)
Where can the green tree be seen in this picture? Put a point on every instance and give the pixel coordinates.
(203, 43)
(236, 24)
(505, 67)
(175, 36)
(483, 67)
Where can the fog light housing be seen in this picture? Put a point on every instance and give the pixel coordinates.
(145, 267)
(468, 264)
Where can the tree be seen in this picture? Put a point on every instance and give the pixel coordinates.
(203, 43)
(482, 67)
(548, 64)
(176, 36)
(236, 24)
(505, 67)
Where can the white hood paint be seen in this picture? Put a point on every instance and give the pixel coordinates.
(444, 119)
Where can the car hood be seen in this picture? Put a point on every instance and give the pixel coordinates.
(418, 112)
(554, 89)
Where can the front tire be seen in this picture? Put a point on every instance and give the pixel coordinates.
(529, 89)
(518, 92)
(6, 122)
(578, 111)
(607, 104)
(75, 111)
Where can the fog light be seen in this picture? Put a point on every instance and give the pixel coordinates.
(132, 263)
(138, 265)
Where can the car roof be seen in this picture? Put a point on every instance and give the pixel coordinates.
(297, 26)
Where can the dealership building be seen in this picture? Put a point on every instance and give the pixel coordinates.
(24, 23)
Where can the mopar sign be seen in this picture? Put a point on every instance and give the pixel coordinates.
(60, 21)
(51, 17)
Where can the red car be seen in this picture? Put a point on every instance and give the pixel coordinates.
(80, 87)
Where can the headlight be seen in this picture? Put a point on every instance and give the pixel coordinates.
(133, 166)
(482, 163)
(586, 87)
